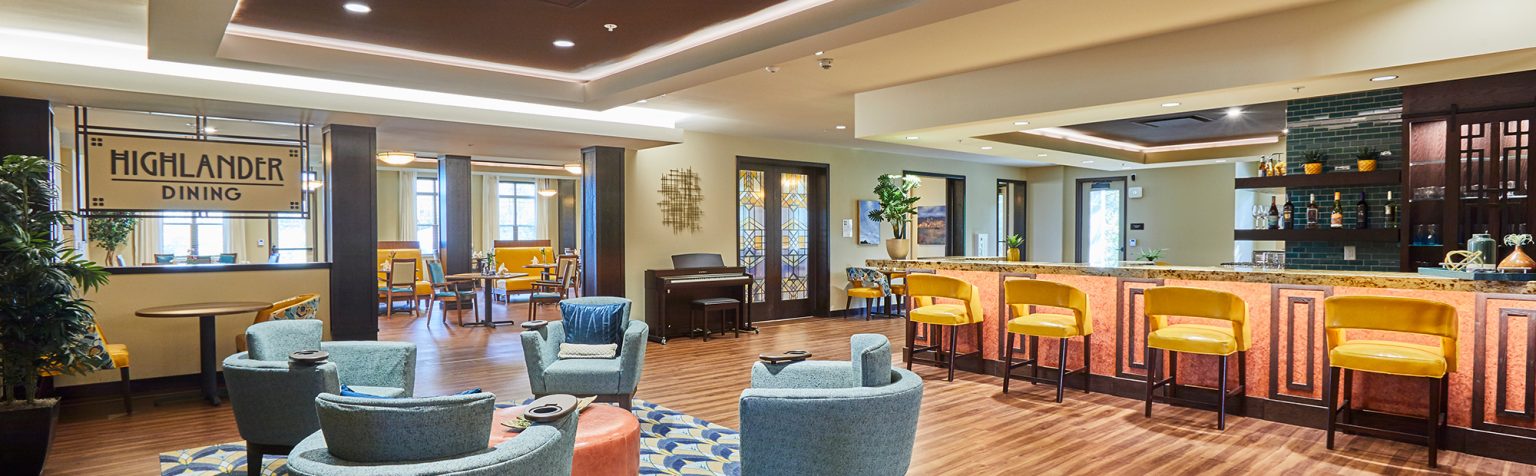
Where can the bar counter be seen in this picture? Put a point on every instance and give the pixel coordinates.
(1492, 404)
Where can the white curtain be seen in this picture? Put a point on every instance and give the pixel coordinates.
(234, 240)
(544, 209)
(490, 224)
(146, 242)
(407, 205)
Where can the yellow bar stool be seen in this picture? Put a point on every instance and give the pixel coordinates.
(1394, 314)
(1221, 341)
(1019, 294)
(923, 288)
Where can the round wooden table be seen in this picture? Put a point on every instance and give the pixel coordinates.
(607, 440)
(205, 313)
(543, 268)
(485, 284)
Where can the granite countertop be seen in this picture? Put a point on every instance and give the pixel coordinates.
(1362, 279)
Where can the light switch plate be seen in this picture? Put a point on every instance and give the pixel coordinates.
(1349, 253)
(1133, 192)
(847, 228)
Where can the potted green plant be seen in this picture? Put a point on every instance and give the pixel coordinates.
(1013, 241)
(894, 193)
(44, 325)
(1365, 159)
(1517, 259)
(111, 233)
(1151, 255)
(1312, 161)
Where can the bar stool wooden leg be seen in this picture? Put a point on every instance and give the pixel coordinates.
(1151, 377)
(127, 390)
(1087, 364)
(1007, 362)
(1061, 369)
(1221, 411)
(911, 341)
(1349, 394)
(1242, 380)
(1172, 388)
(1434, 423)
(1331, 394)
(953, 340)
(848, 307)
(1034, 360)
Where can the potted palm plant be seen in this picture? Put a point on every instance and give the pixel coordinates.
(111, 233)
(894, 193)
(1013, 241)
(44, 325)
(1313, 161)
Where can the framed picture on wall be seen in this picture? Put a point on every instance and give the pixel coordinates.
(869, 229)
(932, 228)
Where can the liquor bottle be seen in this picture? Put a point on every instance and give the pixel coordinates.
(1287, 214)
(1362, 213)
(1312, 212)
(1390, 212)
(1336, 219)
(1274, 215)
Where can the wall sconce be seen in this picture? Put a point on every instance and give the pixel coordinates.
(573, 168)
(397, 158)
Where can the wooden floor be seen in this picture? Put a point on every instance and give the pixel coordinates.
(966, 427)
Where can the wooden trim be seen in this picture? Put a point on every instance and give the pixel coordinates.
(216, 268)
(1331, 179)
(1077, 194)
(1279, 348)
(954, 211)
(520, 243)
(1125, 313)
(352, 232)
(399, 245)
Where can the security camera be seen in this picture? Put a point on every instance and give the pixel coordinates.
(826, 63)
(771, 69)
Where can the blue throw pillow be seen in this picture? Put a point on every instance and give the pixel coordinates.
(594, 320)
(471, 391)
(348, 392)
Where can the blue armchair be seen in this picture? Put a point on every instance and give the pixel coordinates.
(421, 436)
(274, 402)
(819, 417)
(587, 320)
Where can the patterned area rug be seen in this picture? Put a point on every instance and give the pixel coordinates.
(671, 443)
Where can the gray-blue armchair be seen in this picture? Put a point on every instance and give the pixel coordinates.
(609, 379)
(821, 417)
(436, 435)
(274, 401)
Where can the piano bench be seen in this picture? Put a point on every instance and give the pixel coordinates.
(700, 308)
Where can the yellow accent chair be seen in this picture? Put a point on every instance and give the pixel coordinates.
(516, 260)
(1233, 337)
(1433, 364)
(868, 284)
(303, 306)
(422, 287)
(925, 288)
(1022, 295)
(118, 355)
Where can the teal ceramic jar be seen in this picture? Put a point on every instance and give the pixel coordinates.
(1482, 243)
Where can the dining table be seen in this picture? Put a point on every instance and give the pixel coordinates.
(485, 281)
(544, 269)
(205, 312)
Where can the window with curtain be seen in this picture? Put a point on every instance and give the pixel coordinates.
(426, 214)
(181, 234)
(515, 215)
(290, 239)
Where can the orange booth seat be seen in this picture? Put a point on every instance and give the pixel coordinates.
(423, 287)
(516, 259)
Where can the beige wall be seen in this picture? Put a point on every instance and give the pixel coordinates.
(852, 175)
(164, 347)
(1187, 210)
(389, 206)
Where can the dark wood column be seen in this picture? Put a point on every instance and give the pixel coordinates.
(567, 214)
(454, 240)
(26, 127)
(352, 231)
(602, 235)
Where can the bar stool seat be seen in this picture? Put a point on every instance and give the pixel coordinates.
(942, 314)
(1389, 357)
(1045, 325)
(1194, 339)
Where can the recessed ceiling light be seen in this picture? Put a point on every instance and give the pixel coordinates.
(819, 53)
(911, 137)
(610, 26)
(986, 147)
(564, 43)
(357, 7)
(643, 101)
(210, 130)
(1384, 78)
(1285, 130)
(1040, 155)
(841, 127)
(1234, 111)
(1171, 104)
(1087, 161)
(1020, 123)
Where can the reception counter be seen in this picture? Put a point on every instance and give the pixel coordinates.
(1491, 393)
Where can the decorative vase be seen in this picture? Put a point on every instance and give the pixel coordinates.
(1517, 259)
(1013, 254)
(896, 247)
(1368, 165)
(26, 435)
(1484, 246)
(1312, 168)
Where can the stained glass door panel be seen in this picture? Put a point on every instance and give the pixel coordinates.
(779, 216)
(794, 239)
(750, 215)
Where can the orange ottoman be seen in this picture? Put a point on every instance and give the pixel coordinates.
(607, 439)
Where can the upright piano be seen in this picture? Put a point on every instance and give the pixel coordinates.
(669, 292)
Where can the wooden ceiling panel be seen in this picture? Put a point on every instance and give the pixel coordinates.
(512, 32)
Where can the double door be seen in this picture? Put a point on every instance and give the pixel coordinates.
(781, 235)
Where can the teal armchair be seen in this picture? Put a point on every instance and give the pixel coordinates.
(821, 417)
(274, 401)
(588, 320)
(437, 435)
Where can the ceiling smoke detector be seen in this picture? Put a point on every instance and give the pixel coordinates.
(826, 63)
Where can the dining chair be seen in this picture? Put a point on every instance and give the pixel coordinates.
(564, 279)
(400, 281)
(443, 290)
(164, 258)
(228, 258)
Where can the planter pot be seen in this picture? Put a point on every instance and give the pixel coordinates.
(1013, 254)
(1517, 259)
(897, 248)
(25, 435)
(1313, 168)
(1365, 165)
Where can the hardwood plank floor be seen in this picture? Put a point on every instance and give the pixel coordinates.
(966, 427)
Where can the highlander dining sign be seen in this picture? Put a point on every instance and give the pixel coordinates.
(150, 174)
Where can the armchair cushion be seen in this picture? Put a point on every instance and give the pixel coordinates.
(375, 430)
(584, 376)
(361, 364)
(871, 359)
(588, 351)
(274, 340)
(594, 320)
